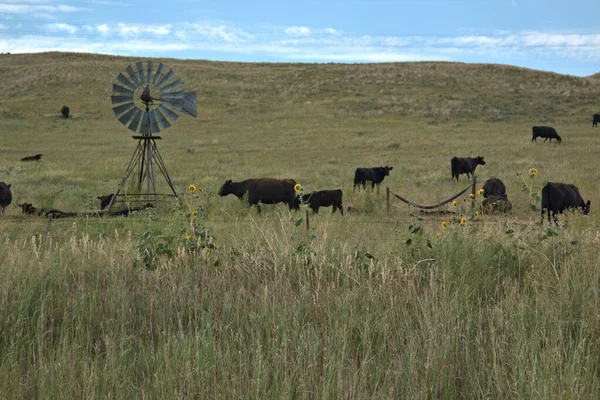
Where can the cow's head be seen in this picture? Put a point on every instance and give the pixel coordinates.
(226, 188)
(25, 207)
(558, 139)
(386, 170)
(586, 208)
(479, 160)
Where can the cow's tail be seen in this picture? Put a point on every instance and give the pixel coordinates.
(454, 167)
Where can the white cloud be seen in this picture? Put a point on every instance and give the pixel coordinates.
(63, 28)
(10, 8)
(298, 31)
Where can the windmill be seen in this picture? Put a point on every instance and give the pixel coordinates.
(145, 100)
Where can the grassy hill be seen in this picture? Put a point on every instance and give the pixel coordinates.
(209, 299)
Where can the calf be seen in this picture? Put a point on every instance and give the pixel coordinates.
(37, 157)
(595, 120)
(105, 200)
(546, 132)
(465, 165)
(324, 198)
(374, 175)
(557, 197)
(495, 203)
(494, 187)
(28, 208)
(5, 196)
(263, 190)
(65, 112)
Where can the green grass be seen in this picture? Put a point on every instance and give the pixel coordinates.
(253, 305)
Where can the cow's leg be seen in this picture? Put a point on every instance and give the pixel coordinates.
(341, 209)
(546, 139)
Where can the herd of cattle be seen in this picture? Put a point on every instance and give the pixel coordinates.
(556, 197)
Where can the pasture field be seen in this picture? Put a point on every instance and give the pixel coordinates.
(230, 303)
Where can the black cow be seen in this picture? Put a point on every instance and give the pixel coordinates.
(375, 175)
(5, 196)
(595, 120)
(37, 157)
(125, 211)
(324, 198)
(263, 190)
(557, 197)
(28, 208)
(495, 203)
(547, 132)
(105, 200)
(465, 165)
(494, 187)
(65, 112)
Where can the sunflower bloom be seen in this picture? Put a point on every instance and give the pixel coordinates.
(297, 187)
(437, 235)
(455, 203)
(463, 221)
(471, 196)
(533, 172)
(192, 188)
(476, 214)
(188, 237)
(444, 225)
(194, 213)
(480, 192)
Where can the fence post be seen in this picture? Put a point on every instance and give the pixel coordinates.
(307, 221)
(473, 192)
(387, 198)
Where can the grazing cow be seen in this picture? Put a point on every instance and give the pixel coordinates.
(557, 197)
(375, 175)
(105, 200)
(546, 132)
(496, 203)
(595, 120)
(324, 198)
(125, 211)
(494, 187)
(37, 157)
(65, 112)
(465, 165)
(5, 196)
(28, 208)
(263, 190)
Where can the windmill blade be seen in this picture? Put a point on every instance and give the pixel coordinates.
(133, 75)
(161, 119)
(123, 79)
(153, 123)
(125, 118)
(166, 78)
(159, 73)
(150, 68)
(145, 126)
(140, 68)
(175, 85)
(121, 99)
(189, 104)
(136, 120)
(118, 110)
(176, 105)
(168, 113)
(121, 90)
(173, 96)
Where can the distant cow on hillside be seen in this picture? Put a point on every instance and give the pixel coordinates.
(494, 187)
(37, 157)
(465, 165)
(324, 198)
(557, 197)
(547, 132)
(105, 200)
(5, 196)
(374, 175)
(263, 190)
(595, 120)
(65, 112)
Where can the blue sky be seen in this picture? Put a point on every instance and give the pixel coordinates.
(554, 35)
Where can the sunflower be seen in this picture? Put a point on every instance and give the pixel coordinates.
(297, 187)
(194, 213)
(471, 196)
(533, 172)
(455, 203)
(192, 188)
(188, 237)
(463, 221)
(476, 214)
(437, 235)
(444, 225)
(480, 192)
